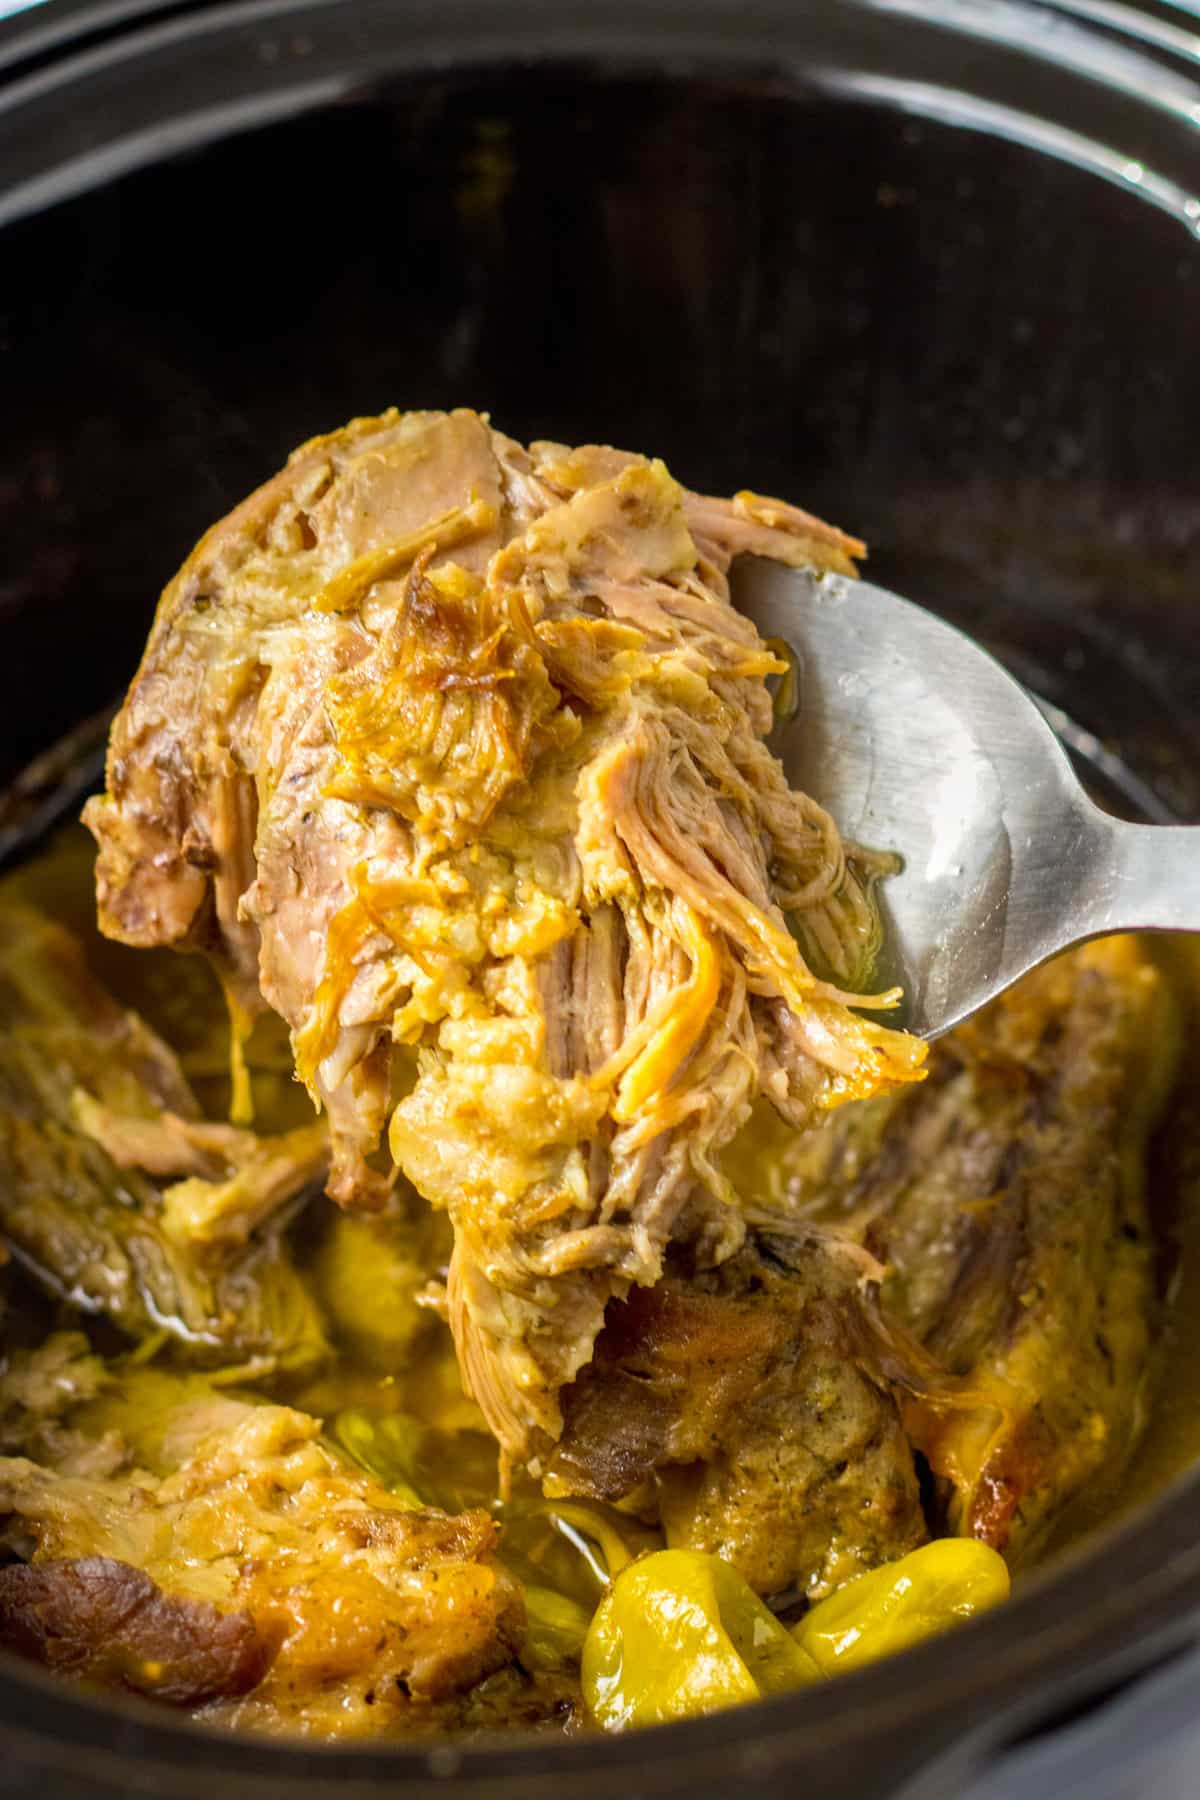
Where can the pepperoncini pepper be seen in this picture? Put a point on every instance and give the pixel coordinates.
(678, 1633)
(898, 1605)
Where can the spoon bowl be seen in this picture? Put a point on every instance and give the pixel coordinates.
(918, 741)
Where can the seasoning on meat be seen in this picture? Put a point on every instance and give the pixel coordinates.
(741, 1406)
(454, 752)
(247, 1555)
(769, 1410)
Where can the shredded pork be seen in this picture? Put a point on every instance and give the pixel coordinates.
(454, 753)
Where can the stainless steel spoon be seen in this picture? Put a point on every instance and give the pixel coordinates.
(917, 741)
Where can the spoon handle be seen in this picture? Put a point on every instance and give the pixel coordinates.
(1141, 878)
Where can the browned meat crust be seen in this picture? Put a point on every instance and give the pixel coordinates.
(108, 1622)
(246, 1529)
(744, 1406)
(770, 1409)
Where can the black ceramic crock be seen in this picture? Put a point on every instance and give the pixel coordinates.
(932, 269)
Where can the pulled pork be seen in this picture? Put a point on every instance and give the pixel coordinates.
(454, 753)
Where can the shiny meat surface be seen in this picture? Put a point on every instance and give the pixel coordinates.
(454, 753)
(247, 1556)
(977, 1285)
(104, 1620)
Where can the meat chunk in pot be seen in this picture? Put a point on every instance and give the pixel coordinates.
(1007, 1200)
(246, 1565)
(454, 753)
(976, 1285)
(745, 1408)
(103, 1620)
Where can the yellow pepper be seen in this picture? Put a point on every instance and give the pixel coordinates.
(679, 1633)
(901, 1603)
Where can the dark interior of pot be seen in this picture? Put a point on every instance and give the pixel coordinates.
(973, 356)
(974, 353)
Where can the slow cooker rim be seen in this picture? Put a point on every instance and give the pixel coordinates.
(1009, 1649)
(1091, 44)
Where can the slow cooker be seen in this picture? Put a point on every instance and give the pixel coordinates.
(931, 266)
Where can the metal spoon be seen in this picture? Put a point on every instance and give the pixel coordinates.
(917, 741)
